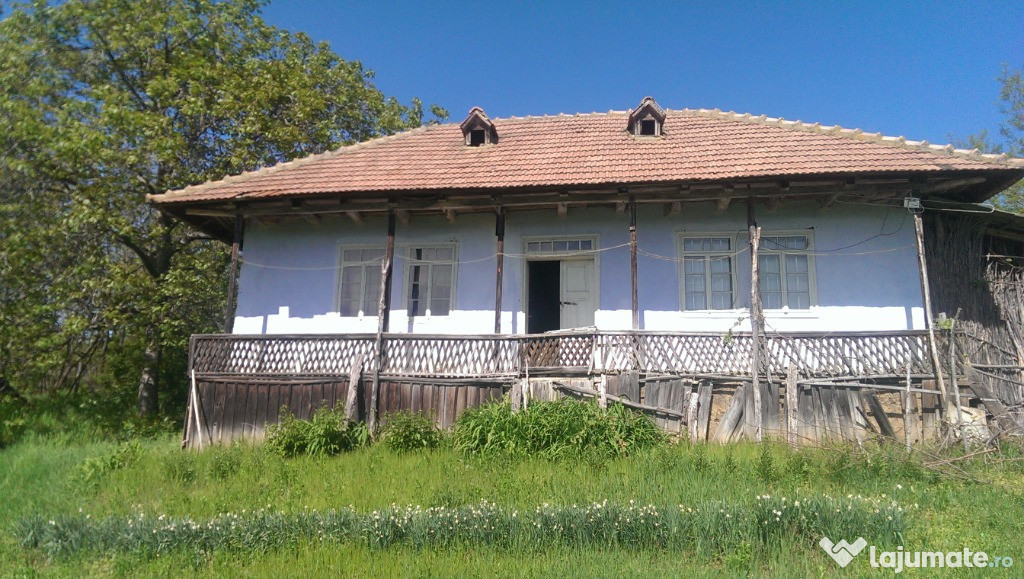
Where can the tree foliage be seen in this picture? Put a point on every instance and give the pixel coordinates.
(1011, 133)
(105, 101)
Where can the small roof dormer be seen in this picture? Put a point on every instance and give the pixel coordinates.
(477, 129)
(647, 119)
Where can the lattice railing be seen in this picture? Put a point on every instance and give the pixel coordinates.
(833, 354)
(450, 356)
(280, 355)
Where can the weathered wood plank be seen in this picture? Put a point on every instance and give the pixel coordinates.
(732, 419)
(706, 394)
(252, 394)
(884, 426)
(693, 407)
(771, 409)
(792, 407)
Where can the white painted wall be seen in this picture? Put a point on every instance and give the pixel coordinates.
(289, 277)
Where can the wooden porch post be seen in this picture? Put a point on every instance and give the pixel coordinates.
(928, 316)
(632, 263)
(499, 231)
(383, 319)
(232, 302)
(753, 407)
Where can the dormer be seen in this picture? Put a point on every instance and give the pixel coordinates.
(647, 119)
(477, 129)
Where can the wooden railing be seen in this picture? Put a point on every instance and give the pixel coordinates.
(482, 356)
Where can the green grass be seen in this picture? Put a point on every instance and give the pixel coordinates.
(88, 483)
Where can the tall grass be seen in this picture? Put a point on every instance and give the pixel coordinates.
(558, 429)
(42, 479)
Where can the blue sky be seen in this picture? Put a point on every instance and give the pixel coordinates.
(924, 70)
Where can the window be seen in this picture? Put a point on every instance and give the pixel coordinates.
(431, 273)
(785, 270)
(707, 273)
(477, 137)
(648, 128)
(560, 246)
(359, 293)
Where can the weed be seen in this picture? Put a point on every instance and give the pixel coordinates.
(326, 434)
(181, 467)
(225, 461)
(729, 462)
(765, 466)
(407, 431)
(700, 460)
(560, 429)
(93, 469)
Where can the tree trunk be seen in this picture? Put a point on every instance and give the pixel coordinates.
(149, 381)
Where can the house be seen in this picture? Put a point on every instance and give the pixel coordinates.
(627, 241)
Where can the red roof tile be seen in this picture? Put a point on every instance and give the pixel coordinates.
(591, 149)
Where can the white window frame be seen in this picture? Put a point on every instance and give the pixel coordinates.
(410, 262)
(812, 288)
(342, 264)
(731, 254)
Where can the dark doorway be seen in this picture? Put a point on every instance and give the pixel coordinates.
(543, 299)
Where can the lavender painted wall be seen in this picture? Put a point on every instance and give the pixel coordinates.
(289, 277)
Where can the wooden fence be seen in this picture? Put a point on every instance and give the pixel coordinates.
(812, 383)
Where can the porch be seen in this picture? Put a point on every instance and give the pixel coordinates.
(810, 386)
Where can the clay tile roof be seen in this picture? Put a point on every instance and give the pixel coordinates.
(592, 149)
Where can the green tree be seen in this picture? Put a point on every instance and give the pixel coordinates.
(1011, 98)
(105, 101)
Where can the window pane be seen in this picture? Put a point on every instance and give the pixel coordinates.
(351, 255)
(353, 275)
(692, 244)
(721, 283)
(796, 264)
(370, 306)
(416, 288)
(771, 282)
(721, 265)
(586, 244)
(797, 282)
(771, 300)
(446, 254)
(348, 308)
(533, 246)
(769, 264)
(441, 274)
(561, 246)
(415, 308)
(799, 300)
(797, 242)
(693, 265)
(695, 283)
(439, 307)
(696, 301)
(720, 244)
(369, 255)
(721, 301)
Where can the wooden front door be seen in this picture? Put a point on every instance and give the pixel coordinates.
(577, 293)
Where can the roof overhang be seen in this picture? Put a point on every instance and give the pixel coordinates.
(217, 217)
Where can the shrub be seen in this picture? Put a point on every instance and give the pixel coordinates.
(407, 431)
(91, 470)
(326, 434)
(558, 429)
